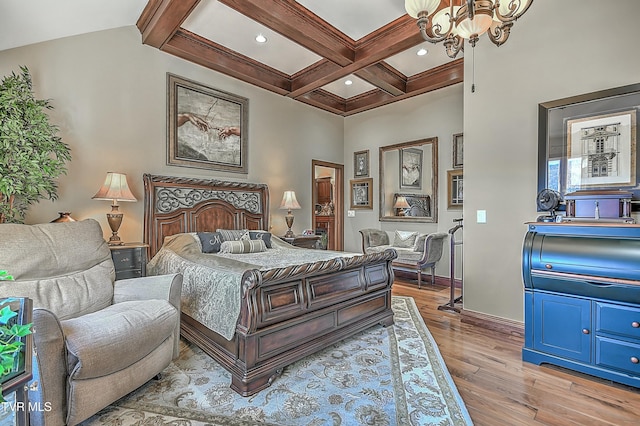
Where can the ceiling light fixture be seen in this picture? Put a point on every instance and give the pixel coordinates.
(466, 20)
(261, 39)
(348, 82)
(422, 52)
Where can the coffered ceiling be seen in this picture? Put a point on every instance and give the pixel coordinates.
(313, 47)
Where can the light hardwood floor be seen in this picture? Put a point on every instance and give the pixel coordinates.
(498, 388)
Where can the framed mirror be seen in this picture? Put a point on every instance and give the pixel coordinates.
(588, 142)
(409, 181)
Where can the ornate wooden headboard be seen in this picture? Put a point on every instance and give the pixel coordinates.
(173, 205)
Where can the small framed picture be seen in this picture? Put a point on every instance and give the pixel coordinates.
(454, 188)
(361, 164)
(457, 151)
(361, 193)
(411, 168)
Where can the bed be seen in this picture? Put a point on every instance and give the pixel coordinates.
(286, 312)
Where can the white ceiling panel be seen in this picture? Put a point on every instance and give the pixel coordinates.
(235, 31)
(356, 18)
(409, 63)
(345, 91)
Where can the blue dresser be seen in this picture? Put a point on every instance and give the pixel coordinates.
(582, 298)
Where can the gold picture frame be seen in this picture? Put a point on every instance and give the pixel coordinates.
(361, 194)
(455, 180)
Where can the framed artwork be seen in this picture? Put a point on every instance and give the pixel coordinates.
(589, 142)
(361, 193)
(457, 151)
(206, 128)
(417, 205)
(454, 188)
(411, 168)
(361, 164)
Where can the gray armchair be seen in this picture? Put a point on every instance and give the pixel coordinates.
(96, 339)
(425, 253)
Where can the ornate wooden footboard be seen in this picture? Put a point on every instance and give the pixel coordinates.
(286, 313)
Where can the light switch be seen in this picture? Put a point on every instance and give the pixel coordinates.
(351, 213)
(481, 216)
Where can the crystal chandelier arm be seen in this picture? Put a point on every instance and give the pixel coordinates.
(516, 10)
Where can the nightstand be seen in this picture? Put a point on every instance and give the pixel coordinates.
(130, 260)
(304, 241)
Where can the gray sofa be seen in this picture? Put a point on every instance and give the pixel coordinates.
(416, 251)
(96, 339)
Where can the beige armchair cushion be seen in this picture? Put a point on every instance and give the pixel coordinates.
(102, 343)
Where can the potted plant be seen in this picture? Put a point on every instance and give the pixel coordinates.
(11, 337)
(32, 155)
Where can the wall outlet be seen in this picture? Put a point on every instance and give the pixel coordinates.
(351, 213)
(481, 216)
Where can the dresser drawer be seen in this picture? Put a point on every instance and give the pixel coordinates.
(130, 260)
(618, 320)
(618, 355)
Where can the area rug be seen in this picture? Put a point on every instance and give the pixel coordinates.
(382, 376)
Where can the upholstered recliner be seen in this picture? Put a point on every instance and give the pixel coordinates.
(416, 252)
(96, 339)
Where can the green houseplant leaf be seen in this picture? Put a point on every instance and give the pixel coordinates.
(11, 343)
(32, 155)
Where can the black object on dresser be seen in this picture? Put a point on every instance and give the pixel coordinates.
(582, 298)
(304, 241)
(130, 260)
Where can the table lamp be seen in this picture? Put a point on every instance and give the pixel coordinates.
(115, 188)
(289, 202)
(401, 204)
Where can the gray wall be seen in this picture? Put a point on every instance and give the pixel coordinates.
(109, 93)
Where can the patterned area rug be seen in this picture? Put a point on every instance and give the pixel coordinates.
(382, 376)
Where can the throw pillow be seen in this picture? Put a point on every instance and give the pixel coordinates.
(210, 241)
(261, 235)
(404, 239)
(419, 244)
(244, 246)
(233, 234)
(378, 239)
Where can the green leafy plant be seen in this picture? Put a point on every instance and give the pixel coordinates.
(32, 156)
(11, 343)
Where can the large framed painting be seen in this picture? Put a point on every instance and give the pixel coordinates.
(589, 142)
(206, 128)
(411, 168)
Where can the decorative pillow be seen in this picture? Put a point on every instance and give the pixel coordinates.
(210, 241)
(244, 246)
(419, 244)
(378, 238)
(404, 239)
(233, 234)
(261, 235)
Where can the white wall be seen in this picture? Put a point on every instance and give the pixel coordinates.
(109, 94)
(558, 49)
(436, 114)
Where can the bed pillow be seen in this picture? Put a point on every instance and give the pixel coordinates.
(404, 239)
(243, 246)
(210, 241)
(233, 234)
(261, 235)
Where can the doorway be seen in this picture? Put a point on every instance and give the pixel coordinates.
(327, 187)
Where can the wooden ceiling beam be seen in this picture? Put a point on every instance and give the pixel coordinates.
(385, 77)
(199, 50)
(295, 22)
(160, 20)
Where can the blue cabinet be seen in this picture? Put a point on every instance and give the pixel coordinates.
(582, 299)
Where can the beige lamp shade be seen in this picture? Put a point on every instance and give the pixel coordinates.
(116, 188)
(401, 203)
(289, 201)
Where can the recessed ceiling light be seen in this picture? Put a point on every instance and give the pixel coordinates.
(422, 52)
(348, 82)
(261, 39)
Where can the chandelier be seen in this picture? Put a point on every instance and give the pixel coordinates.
(466, 20)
